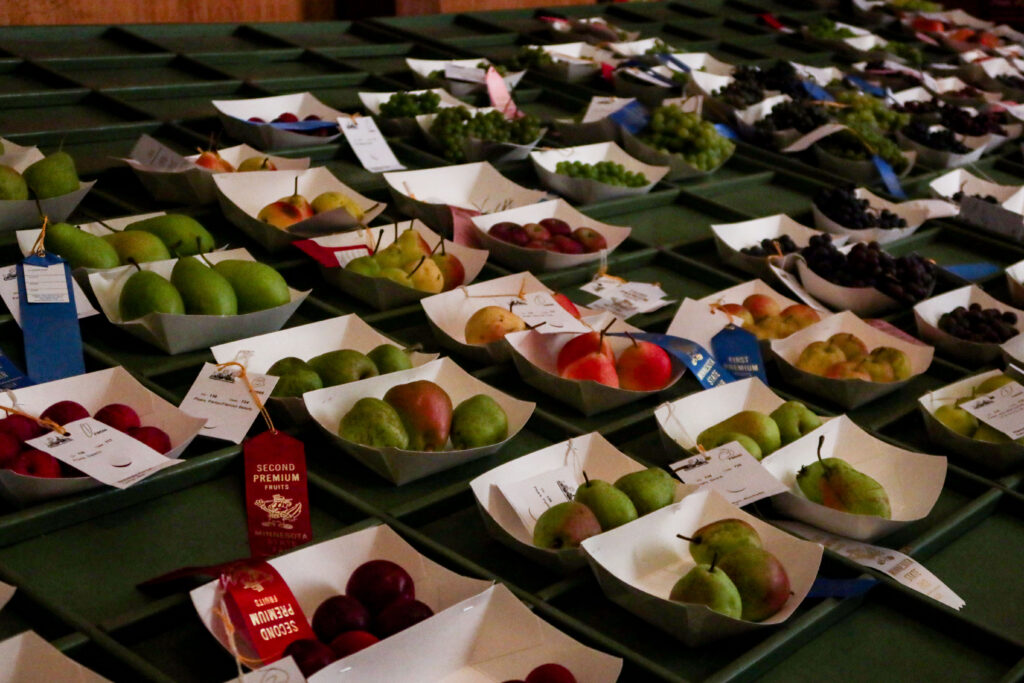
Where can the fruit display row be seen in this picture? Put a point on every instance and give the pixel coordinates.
(845, 356)
(411, 262)
(551, 234)
(152, 239)
(608, 172)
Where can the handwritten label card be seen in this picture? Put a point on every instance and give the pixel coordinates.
(1003, 409)
(369, 144)
(631, 298)
(731, 471)
(224, 399)
(46, 284)
(102, 452)
(531, 497)
(536, 308)
(470, 74)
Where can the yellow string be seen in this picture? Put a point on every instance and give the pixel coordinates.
(38, 249)
(252, 392)
(43, 421)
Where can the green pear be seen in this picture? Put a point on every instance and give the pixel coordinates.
(847, 489)
(723, 438)
(478, 421)
(754, 424)
(991, 384)
(391, 256)
(147, 292)
(990, 434)
(565, 525)
(611, 506)
(295, 377)
(760, 579)
(709, 585)
(721, 537)
(957, 419)
(372, 422)
(139, 247)
(364, 265)
(396, 275)
(794, 420)
(183, 235)
(389, 358)
(80, 249)
(649, 489)
(12, 184)
(52, 176)
(341, 367)
(257, 286)
(203, 289)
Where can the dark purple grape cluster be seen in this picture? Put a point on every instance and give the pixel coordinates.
(942, 140)
(907, 279)
(772, 247)
(965, 93)
(802, 116)
(1011, 81)
(960, 121)
(842, 205)
(750, 84)
(987, 326)
(919, 107)
(959, 197)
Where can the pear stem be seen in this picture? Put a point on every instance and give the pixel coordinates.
(134, 263)
(685, 538)
(600, 337)
(296, 192)
(632, 339)
(203, 256)
(376, 246)
(821, 442)
(440, 242)
(413, 271)
(266, 162)
(714, 559)
(586, 479)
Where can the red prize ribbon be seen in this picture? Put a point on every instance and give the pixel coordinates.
(501, 99)
(463, 230)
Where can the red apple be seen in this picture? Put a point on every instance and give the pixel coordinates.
(286, 117)
(518, 236)
(556, 226)
(21, 427)
(567, 245)
(801, 314)
(591, 239)
(312, 117)
(567, 304)
(580, 346)
(536, 231)
(352, 641)
(594, 366)
(153, 437)
(537, 244)
(63, 412)
(378, 583)
(550, 673)
(310, 655)
(761, 306)
(35, 463)
(256, 119)
(644, 366)
(10, 447)
(400, 615)
(338, 614)
(119, 416)
(502, 231)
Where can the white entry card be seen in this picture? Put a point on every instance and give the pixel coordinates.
(369, 144)
(223, 398)
(9, 293)
(458, 72)
(102, 452)
(46, 284)
(730, 470)
(601, 107)
(531, 497)
(535, 308)
(1003, 409)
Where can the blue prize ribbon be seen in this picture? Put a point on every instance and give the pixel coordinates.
(726, 132)
(889, 177)
(698, 359)
(972, 272)
(304, 126)
(10, 376)
(633, 117)
(739, 352)
(53, 339)
(861, 84)
(666, 58)
(817, 92)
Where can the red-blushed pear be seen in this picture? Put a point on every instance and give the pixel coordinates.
(817, 357)
(491, 323)
(452, 270)
(852, 346)
(398, 616)
(153, 437)
(737, 311)
(63, 412)
(879, 370)
(643, 366)
(848, 369)
(21, 428)
(257, 163)
(582, 345)
(761, 580)
(565, 525)
(10, 447)
(211, 159)
(338, 614)
(898, 360)
(426, 412)
(591, 239)
(593, 366)
(721, 537)
(550, 673)
(119, 416)
(288, 210)
(761, 306)
(378, 583)
(352, 641)
(802, 314)
(35, 463)
(567, 304)
(310, 655)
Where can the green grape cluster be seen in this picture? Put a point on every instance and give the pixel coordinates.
(677, 132)
(826, 29)
(659, 48)
(531, 58)
(453, 125)
(610, 172)
(906, 51)
(865, 111)
(407, 104)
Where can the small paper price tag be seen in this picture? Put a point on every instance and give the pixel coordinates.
(9, 294)
(470, 74)
(224, 400)
(346, 255)
(531, 497)
(150, 154)
(793, 284)
(631, 298)
(731, 471)
(1003, 409)
(602, 285)
(102, 452)
(369, 144)
(601, 107)
(46, 284)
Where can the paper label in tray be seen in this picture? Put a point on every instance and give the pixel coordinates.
(9, 293)
(731, 471)
(1003, 409)
(631, 298)
(600, 107)
(369, 144)
(470, 74)
(793, 285)
(531, 497)
(148, 152)
(602, 284)
(541, 310)
(282, 671)
(102, 452)
(224, 400)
